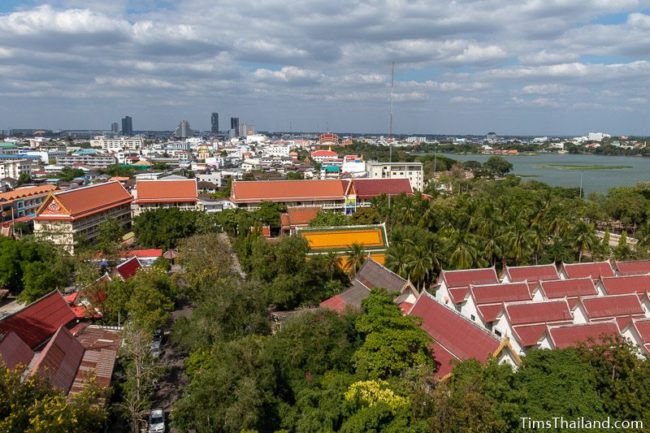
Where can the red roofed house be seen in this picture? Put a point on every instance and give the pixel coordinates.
(14, 351)
(594, 270)
(456, 338)
(625, 284)
(66, 217)
(146, 257)
(532, 274)
(452, 287)
(297, 217)
(638, 333)
(623, 308)
(526, 322)
(324, 156)
(561, 337)
(59, 360)
(326, 194)
(372, 275)
(485, 302)
(23, 201)
(166, 193)
(571, 289)
(633, 267)
(38, 321)
(128, 268)
(365, 190)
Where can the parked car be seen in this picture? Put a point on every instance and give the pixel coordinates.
(157, 421)
(156, 343)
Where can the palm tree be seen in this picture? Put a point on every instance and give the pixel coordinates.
(397, 257)
(420, 265)
(356, 258)
(584, 238)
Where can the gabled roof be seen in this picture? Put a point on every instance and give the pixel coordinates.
(460, 337)
(166, 191)
(458, 282)
(287, 190)
(299, 216)
(528, 313)
(498, 293)
(14, 351)
(642, 327)
(39, 320)
(129, 268)
(373, 275)
(324, 153)
(571, 288)
(529, 335)
(351, 297)
(573, 335)
(595, 270)
(599, 307)
(626, 284)
(82, 202)
(532, 274)
(59, 360)
(633, 267)
(367, 189)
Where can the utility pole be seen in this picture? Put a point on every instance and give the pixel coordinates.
(390, 125)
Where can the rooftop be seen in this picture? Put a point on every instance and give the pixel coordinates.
(166, 191)
(82, 202)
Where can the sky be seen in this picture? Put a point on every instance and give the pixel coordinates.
(533, 67)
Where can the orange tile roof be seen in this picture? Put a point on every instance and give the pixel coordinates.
(166, 191)
(298, 216)
(339, 239)
(82, 202)
(287, 190)
(27, 191)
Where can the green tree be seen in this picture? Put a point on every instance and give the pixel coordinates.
(355, 258)
(497, 166)
(329, 219)
(162, 228)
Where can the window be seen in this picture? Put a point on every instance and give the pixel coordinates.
(473, 317)
(497, 332)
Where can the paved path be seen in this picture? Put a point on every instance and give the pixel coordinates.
(236, 266)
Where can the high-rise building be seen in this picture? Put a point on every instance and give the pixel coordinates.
(115, 128)
(215, 123)
(234, 125)
(127, 125)
(183, 130)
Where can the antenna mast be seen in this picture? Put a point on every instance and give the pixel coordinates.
(390, 125)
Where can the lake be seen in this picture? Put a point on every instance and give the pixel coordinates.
(565, 170)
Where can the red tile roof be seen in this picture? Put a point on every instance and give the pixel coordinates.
(154, 252)
(460, 337)
(633, 267)
(40, 320)
(574, 335)
(532, 274)
(129, 268)
(367, 189)
(626, 284)
(25, 192)
(82, 202)
(287, 190)
(324, 153)
(300, 216)
(458, 282)
(166, 191)
(335, 303)
(490, 312)
(599, 307)
(14, 351)
(529, 335)
(642, 327)
(594, 270)
(59, 360)
(526, 313)
(498, 293)
(568, 288)
(445, 360)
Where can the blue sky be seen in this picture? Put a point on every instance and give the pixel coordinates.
(471, 66)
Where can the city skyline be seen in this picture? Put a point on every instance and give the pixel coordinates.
(530, 67)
